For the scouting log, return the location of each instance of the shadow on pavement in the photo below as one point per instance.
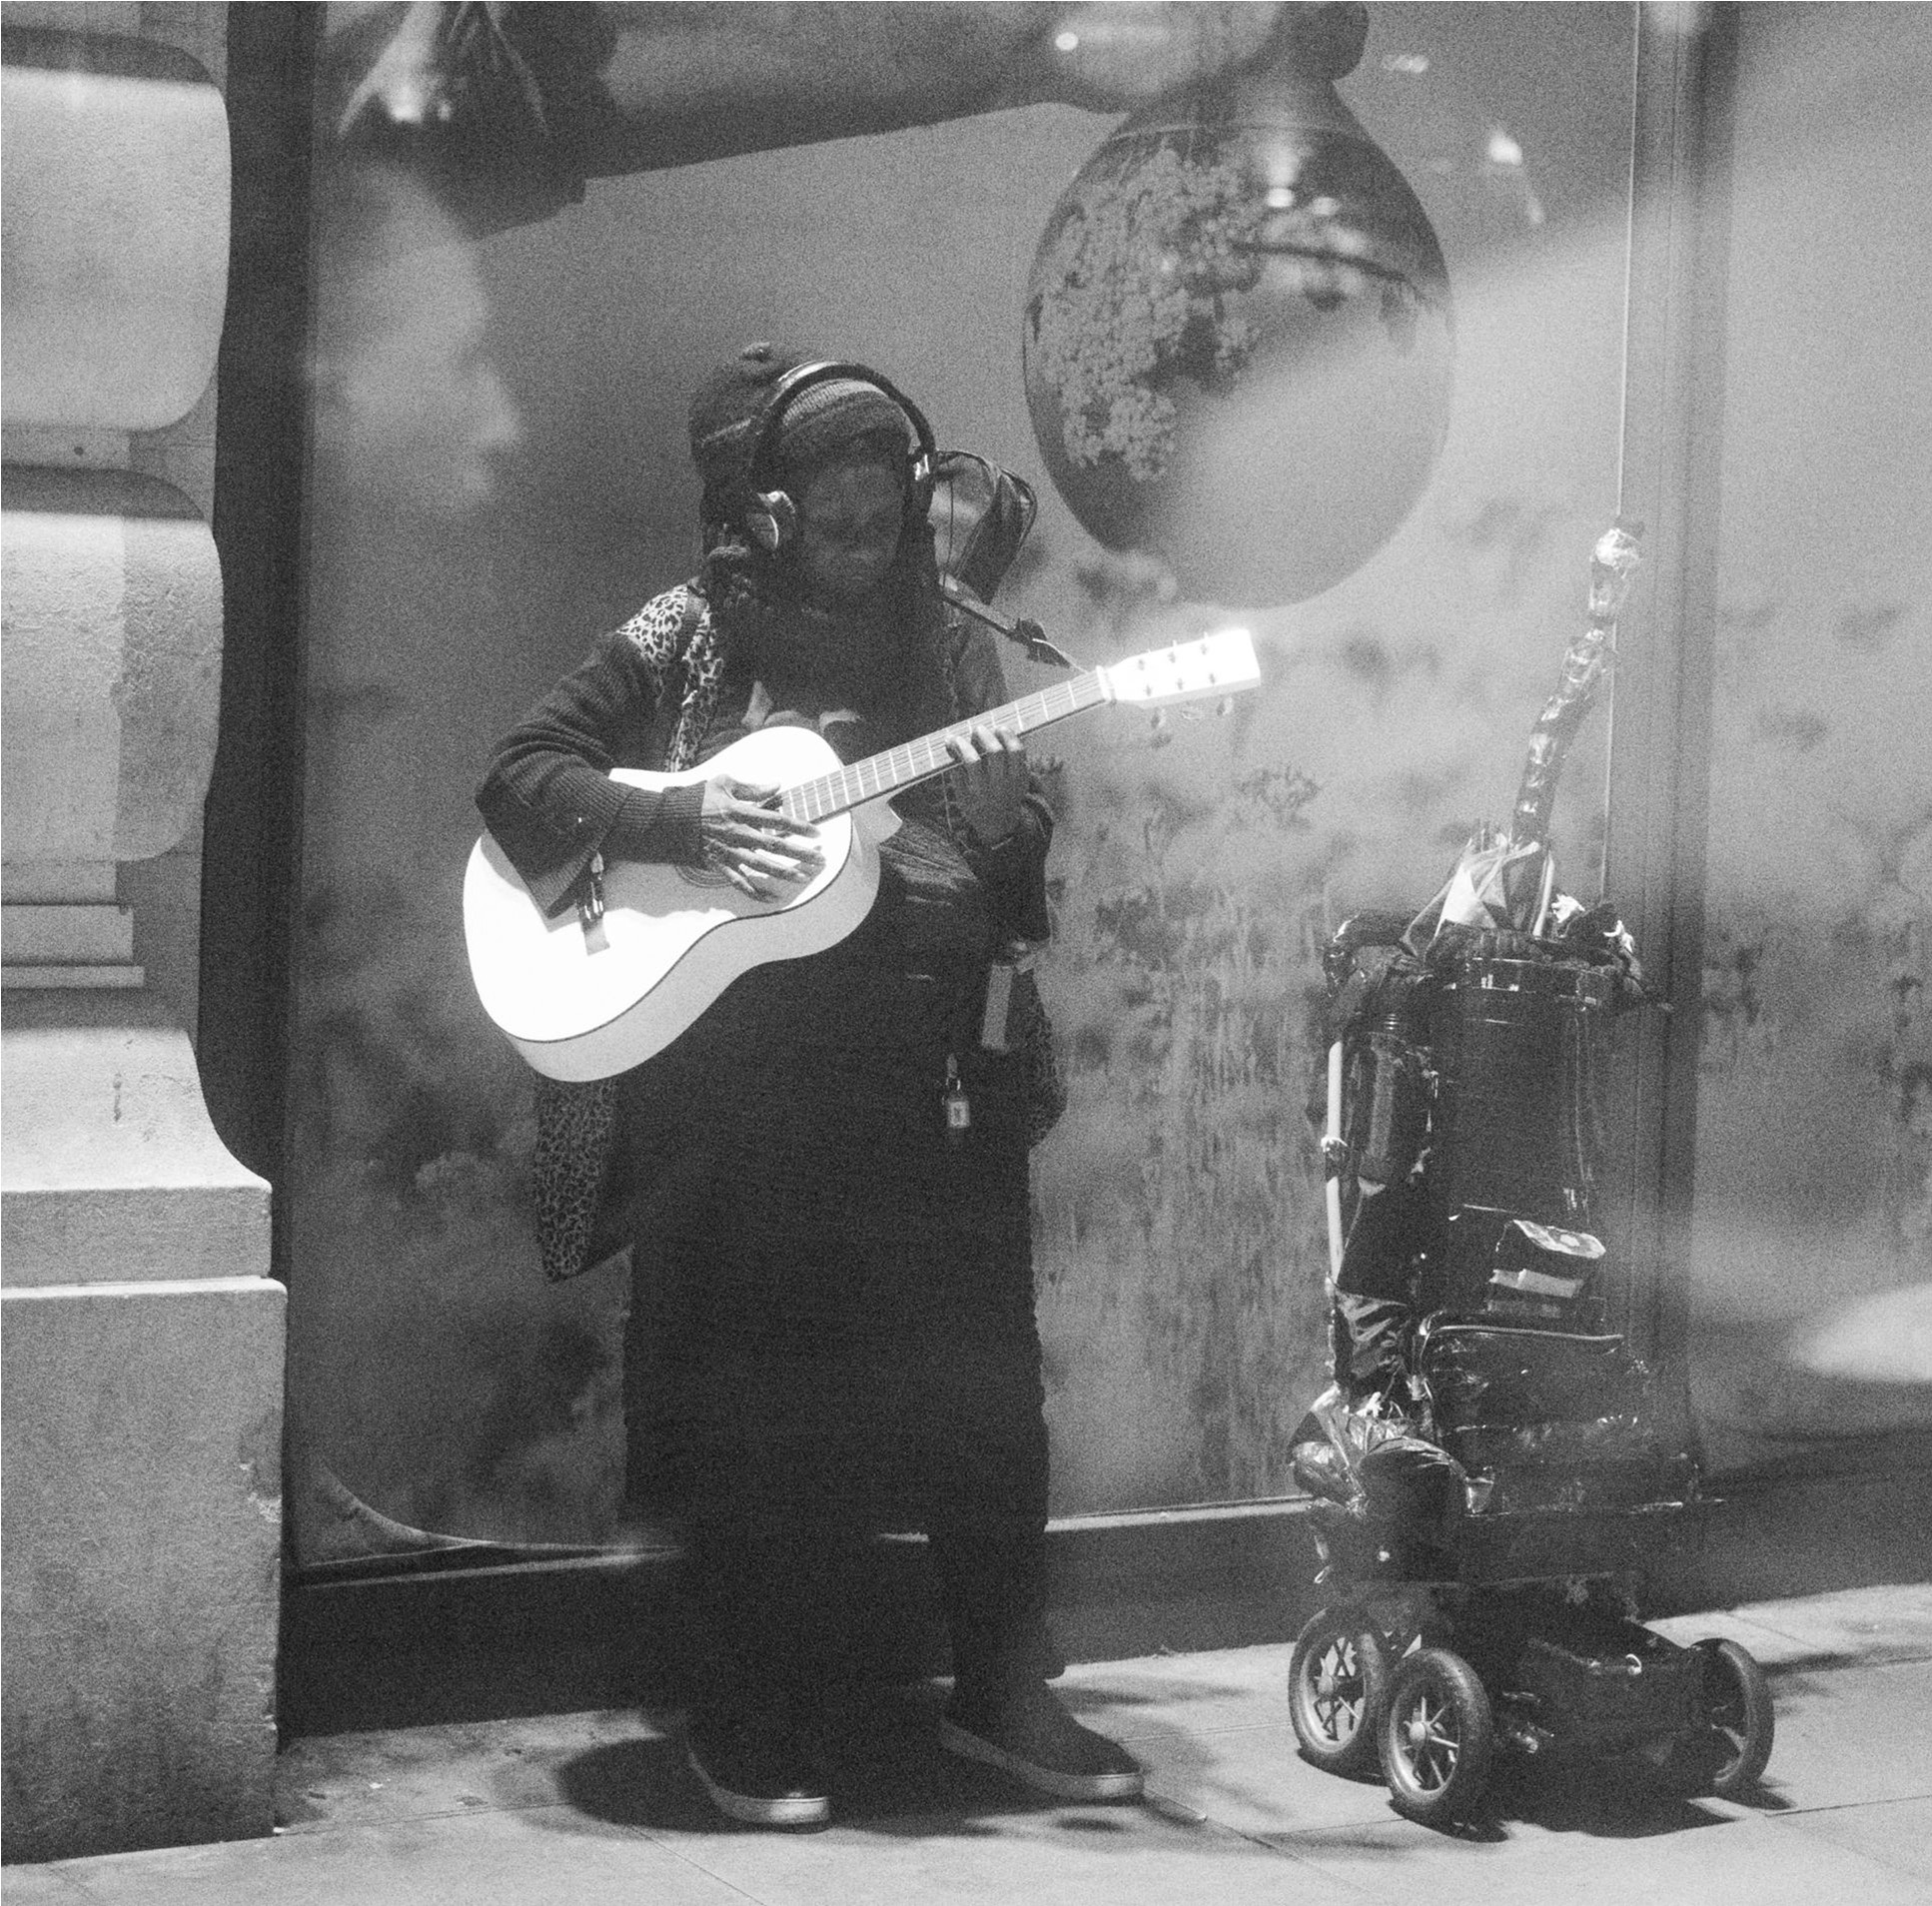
(890, 1774)
(1605, 1799)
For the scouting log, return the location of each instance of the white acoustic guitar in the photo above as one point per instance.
(596, 990)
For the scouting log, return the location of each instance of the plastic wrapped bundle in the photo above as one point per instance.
(1377, 1469)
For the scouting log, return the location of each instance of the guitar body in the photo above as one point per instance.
(581, 1003)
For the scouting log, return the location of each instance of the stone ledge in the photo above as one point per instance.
(48, 979)
(113, 1169)
(37, 934)
(142, 1522)
(105, 1235)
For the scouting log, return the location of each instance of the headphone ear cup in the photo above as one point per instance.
(773, 521)
(920, 491)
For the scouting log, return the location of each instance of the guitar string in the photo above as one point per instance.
(916, 760)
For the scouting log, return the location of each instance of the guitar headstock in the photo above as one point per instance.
(1214, 664)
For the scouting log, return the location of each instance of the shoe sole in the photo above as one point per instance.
(1063, 1786)
(794, 1809)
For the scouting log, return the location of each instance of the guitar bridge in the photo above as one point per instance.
(590, 908)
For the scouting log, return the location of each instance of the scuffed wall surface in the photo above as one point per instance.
(502, 475)
(1813, 1246)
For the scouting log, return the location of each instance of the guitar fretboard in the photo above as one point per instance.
(931, 755)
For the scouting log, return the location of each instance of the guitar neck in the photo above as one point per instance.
(915, 761)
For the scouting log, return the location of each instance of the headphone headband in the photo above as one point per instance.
(824, 371)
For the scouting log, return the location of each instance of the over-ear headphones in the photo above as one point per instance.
(772, 517)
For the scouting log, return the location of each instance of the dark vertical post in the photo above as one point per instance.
(251, 839)
(1659, 767)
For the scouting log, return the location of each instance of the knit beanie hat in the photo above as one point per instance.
(839, 419)
(843, 419)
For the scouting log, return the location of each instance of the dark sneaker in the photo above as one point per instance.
(1029, 1735)
(757, 1770)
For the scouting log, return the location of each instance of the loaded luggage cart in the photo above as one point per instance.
(1497, 1473)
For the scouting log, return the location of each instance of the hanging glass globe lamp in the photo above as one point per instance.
(1238, 340)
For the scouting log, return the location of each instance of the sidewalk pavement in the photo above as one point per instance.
(580, 1810)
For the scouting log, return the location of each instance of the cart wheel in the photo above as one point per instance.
(1436, 1736)
(1728, 1756)
(1338, 1687)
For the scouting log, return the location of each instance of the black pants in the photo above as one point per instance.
(833, 1333)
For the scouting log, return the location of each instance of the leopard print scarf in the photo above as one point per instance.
(676, 640)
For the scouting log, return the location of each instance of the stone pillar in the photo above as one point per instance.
(143, 1337)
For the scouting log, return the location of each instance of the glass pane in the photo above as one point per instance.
(502, 475)
(1812, 1247)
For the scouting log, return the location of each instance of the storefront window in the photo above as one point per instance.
(500, 475)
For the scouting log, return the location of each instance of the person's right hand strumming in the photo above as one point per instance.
(760, 850)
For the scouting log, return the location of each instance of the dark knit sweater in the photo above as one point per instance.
(548, 797)
(646, 697)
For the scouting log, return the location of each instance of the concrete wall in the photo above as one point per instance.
(143, 1341)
